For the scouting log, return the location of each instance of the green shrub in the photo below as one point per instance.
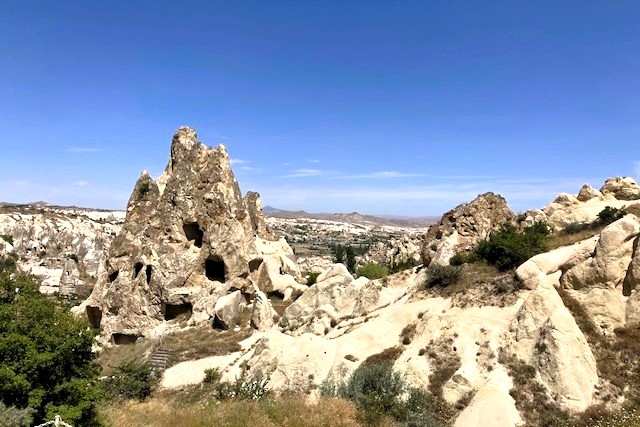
(442, 275)
(373, 271)
(131, 380)
(401, 266)
(243, 388)
(312, 278)
(46, 362)
(507, 248)
(7, 238)
(463, 258)
(609, 215)
(379, 392)
(11, 416)
(212, 376)
(143, 188)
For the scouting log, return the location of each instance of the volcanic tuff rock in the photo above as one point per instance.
(394, 252)
(46, 238)
(187, 240)
(584, 208)
(461, 228)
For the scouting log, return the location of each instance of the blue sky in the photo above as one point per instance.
(384, 107)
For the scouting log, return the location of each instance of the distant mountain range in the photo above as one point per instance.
(353, 218)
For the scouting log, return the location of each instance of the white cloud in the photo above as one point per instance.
(384, 174)
(81, 150)
(298, 173)
(250, 169)
(314, 161)
(239, 161)
(81, 183)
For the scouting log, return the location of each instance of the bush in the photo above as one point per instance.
(311, 279)
(373, 271)
(7, 238)
(507, 248)
(212, 376)
(14, 417)
(243, 389)
(442, 275)
(46, 362)
(609, 215)
(463, 258)
(131, 380)
(379, 392)
(143, 188)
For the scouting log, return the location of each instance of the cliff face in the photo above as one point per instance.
(188, 239)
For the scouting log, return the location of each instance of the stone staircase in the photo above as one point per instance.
(160, 359)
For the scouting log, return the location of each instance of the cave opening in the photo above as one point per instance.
(94, 314)
(124, 339)
(193, 232)
(148, 272)
(137, 268)
(113, 276)
(215, 269)
(254, 264)
(172, 311)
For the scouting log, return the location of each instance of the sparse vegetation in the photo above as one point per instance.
(311, 278)
(377, 392)
(143, 188)
(507, 248)
(7, 238)
(131, 380)
(373, 271)
(442, 275)
(609, 215)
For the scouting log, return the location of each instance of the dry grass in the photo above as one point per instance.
(565, 238)
(479, 284)
(189, 344)
(289, 412)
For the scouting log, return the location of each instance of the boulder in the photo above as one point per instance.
(587, 192)
(461, 228)
(262, 314)
(228, 309)
(621, 188)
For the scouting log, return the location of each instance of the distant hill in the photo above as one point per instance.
(353, 218)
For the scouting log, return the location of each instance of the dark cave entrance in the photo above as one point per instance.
(172, 311)
(254, 264)
(113, 276)
(193, 232)
(137, 268)
(215, 269)
(124, 339)
(94, 314)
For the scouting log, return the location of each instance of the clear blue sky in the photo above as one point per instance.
(389, 107)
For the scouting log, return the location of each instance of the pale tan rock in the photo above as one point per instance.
(622, 188)
(461, 228)
(228, 309)
(262, 314)
(187, 240)
(612, 256)
(565, 362)
(587, 192)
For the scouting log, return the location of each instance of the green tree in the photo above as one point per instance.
(351, 259)
(46, 362)
(338, 254)
(508, 248)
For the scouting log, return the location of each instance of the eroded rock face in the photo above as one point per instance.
(402, 251)
(621, 188)
(187, 240)
(461, 228)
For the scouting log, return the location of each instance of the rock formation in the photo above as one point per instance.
(46, 238)
(395, 252)
(461, 228)
(187, 241)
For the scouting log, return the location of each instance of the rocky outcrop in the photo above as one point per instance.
(621, 188)
(404, 251)
(461, 228)
(262, 314)
(188, 240)
(46, 238)
(568, 210)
